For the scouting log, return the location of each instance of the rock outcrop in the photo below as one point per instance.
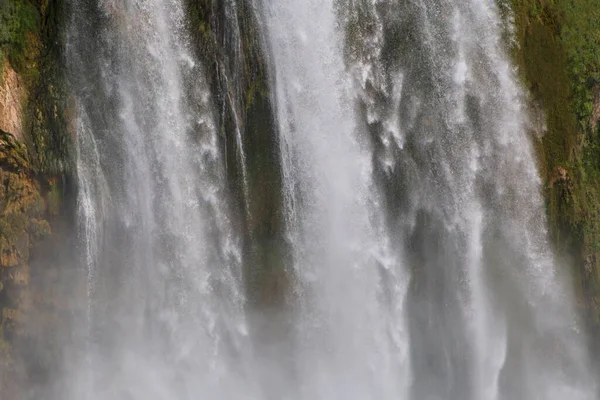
(22, 224)
(12, 99)
(34, 174)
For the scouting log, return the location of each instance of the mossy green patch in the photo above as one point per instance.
(557, 53)
(22, 208)
(18, 18)
(32, 43)
(31, 37)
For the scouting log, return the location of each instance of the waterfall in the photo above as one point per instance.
(164, 259)
(352, 331)
(486, 300)
(414, 206)
(419, 266)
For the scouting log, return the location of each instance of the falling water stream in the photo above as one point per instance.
(419, 262)
(159, 244)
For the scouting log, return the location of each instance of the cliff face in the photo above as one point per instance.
(34, 164)
(556, 50)
(12, 99)
(22, 225)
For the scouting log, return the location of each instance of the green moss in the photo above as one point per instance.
(53, 199)
(544, 64)
(31, 37)
(17, 19)
(557, 52)
(199, 14)
(46, 115)
(31, 41)
(569, 30)
(580, 35)
(22, 208)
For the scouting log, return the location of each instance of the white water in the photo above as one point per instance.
(464, 226)
(164, 285)
(352, 337)
(412, 209)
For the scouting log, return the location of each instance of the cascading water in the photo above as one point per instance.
(163, 258)
(352, 333)
(419, 263)
(485, 303)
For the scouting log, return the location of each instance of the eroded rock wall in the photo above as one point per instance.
(34, 177)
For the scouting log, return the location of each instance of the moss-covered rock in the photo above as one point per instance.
(556, 50)
(35, 98)
(228, 38)
(34, 169)
(22, 225)
(19, 21)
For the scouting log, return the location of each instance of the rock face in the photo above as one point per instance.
(12, 98)
(556, 52)
(22, 224)
(21, 206)
(28, 201)
(34, 146)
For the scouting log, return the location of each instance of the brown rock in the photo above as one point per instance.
(12, 98)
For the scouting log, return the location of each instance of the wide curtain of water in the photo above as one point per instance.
(419, 262)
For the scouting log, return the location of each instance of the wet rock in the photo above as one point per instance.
(12, 98)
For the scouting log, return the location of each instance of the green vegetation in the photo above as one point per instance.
(561, 38)
(31, 43)
(19, 19)
(580, 36)
(22, 225)
(557, 50)
(22, 207)
(30, 37)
